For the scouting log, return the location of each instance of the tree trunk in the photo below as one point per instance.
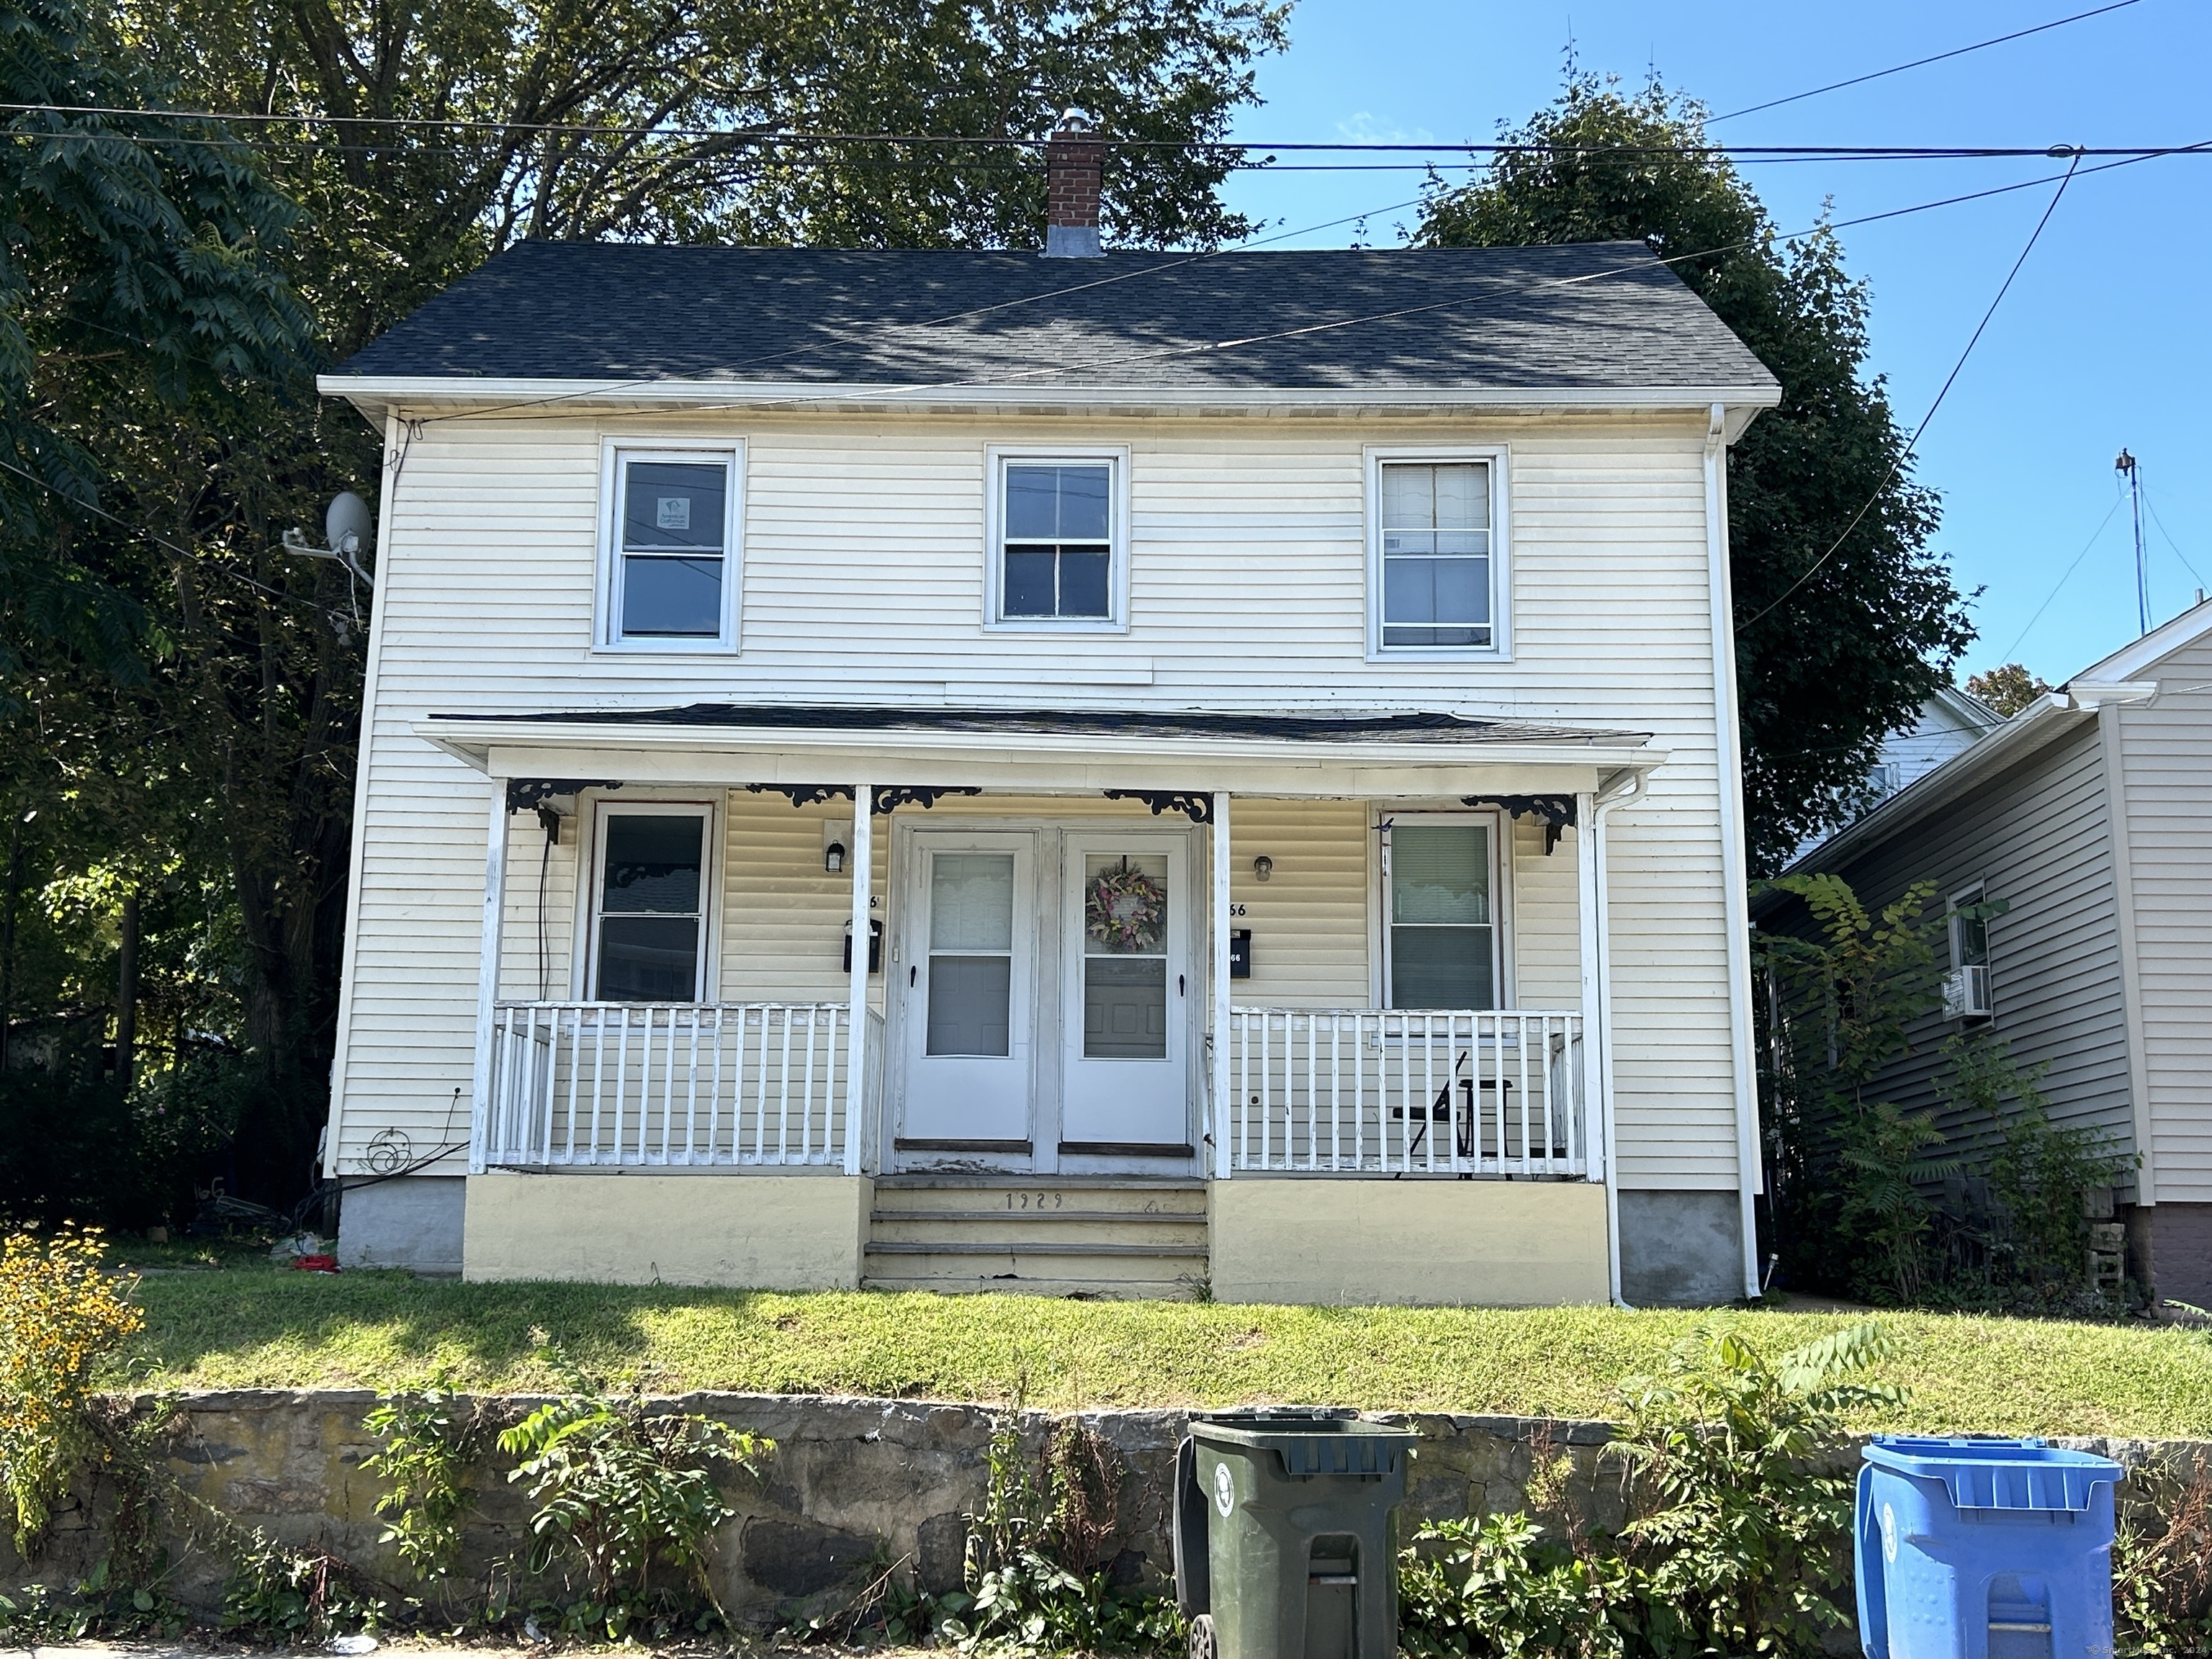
(126, 993)
(7, 936)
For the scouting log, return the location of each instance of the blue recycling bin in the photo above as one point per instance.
(1984, 1549)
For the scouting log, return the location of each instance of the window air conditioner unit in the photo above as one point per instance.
(1966, 993)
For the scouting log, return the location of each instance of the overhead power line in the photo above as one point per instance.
(1897, 461)
(767, 137)
(1922, 63)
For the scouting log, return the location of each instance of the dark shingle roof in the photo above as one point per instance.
(1392, 726)
(1592, 316)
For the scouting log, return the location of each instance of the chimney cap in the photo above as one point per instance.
(1073, 119)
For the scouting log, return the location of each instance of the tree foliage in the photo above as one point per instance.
(2008, 688)
(1831, 656)
(181, 697)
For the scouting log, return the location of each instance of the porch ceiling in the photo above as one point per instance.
(1311, 754)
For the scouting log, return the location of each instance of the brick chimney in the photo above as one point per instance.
(1074, 162)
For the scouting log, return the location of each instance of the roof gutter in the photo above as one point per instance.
(2043, 722)
(375, 395)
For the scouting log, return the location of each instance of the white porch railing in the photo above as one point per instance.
(698, 1085)
(1486, 1092)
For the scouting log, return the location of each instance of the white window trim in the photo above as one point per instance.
(1972, 893)
(1500, 648)
(1501, 906)
(995, 456)
(606, 638)
(583, 973)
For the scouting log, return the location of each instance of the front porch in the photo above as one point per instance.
(1109, 1039)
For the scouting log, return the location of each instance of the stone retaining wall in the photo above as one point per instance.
(853, 1485)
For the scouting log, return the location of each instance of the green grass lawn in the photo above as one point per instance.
(255, 1326)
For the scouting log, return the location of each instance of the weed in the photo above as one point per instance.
(427, 1449)
(623, 1491)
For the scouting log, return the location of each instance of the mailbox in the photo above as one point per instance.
(1240, 953)
(875, 946)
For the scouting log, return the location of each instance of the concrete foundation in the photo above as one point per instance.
(1493, 1243)
(410, 1221)
(2172, 1243)
(768, 1233)
(1681, 1249)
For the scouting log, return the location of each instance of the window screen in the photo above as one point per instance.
(1436, 554)
(971, 953)
(1059, 548)
(1442, 929)
(674, 529)
(651, 906)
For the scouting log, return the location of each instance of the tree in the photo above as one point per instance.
(2008, 687)
(1833, 652)
(227, 691)
(136, 273)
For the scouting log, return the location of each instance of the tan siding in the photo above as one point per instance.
(863, 582)
(2166, 751)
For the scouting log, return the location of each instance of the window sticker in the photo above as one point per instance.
(674, 513)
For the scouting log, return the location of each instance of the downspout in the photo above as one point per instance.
(1727, 743)
(1618, 790)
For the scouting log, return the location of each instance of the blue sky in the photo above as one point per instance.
(2102, 343)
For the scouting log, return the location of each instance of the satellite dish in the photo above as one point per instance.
(347, 528)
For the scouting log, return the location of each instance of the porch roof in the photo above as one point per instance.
(1310, 753)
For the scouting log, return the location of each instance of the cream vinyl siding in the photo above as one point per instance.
(2035, 838)
(863, 582)
(2166, 759)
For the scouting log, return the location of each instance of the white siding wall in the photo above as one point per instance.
(2167, 756)
(863, 582)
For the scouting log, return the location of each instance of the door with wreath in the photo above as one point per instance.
(1129, 993)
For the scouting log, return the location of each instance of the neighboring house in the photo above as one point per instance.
(1948, 724)
(1250, 734)
(2085, 823)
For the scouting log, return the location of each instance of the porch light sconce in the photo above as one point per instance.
(836, 836)
(1263, 868)
(833, 857)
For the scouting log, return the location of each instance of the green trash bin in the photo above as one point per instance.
(1284, 1548)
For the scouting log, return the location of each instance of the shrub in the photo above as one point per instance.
(62, 1318)
(1739, 1530)
(622, 1491)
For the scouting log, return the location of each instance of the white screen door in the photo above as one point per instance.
(970, 974)
(1126, 1017)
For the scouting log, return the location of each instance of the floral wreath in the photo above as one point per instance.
(1126, 910)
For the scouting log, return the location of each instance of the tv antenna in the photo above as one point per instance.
(2127, 465)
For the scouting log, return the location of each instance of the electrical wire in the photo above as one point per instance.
(160, 540)
(772, 138)
(2172, 543)
(1919, 62)
(513, 411)
(2048, 599)
(1897, 461)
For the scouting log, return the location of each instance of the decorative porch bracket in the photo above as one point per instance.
(887, 798)
(1557, 812)
(523, 793)
(1199, 808)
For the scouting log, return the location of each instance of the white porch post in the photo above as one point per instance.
(1220, 1090)
(1598, 931)
(861, 862)
(495, 910)
(1593, 1140)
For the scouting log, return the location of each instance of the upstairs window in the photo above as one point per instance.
(1059, 541)
(1435, 558)
(669, 576)
(1441, 920)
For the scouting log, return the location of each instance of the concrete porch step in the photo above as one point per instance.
(1049, 1236)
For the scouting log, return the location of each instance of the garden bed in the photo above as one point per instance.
(261, 1327)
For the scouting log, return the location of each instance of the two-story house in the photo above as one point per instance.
(1084, 774)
